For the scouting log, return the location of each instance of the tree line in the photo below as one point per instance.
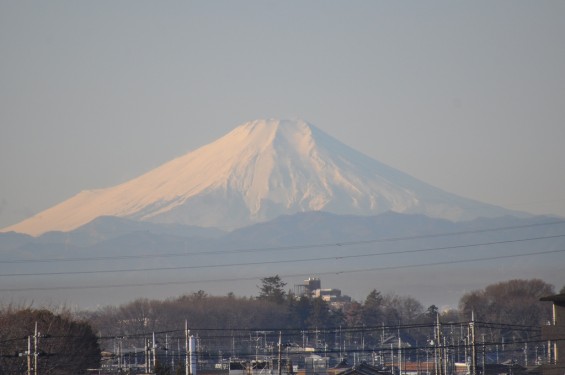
(507, 314)
(39, 341)
(227, 326)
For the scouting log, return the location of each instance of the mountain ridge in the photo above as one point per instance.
(435, 259)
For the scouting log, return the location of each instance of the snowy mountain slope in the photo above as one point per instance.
(258, 171)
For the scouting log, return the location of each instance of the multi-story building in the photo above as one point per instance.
(312, 288)
(554, 333)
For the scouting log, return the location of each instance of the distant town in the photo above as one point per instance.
(513, 327)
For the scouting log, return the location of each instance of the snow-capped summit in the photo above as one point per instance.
(258, 171)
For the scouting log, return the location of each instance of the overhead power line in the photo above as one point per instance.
(288, 275)
(214, 333)
(315, 259)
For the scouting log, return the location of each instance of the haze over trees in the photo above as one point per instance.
(507, 315)
(512, 302)
(513, 305)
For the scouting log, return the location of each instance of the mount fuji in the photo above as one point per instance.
(257, 172)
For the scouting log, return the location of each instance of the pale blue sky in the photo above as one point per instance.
(468, 96)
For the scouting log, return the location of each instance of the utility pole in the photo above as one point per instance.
(154, 349)
(193, 355)
(120, 359)
(147, 357)
(399, 353)
(186, 362)
(473, 345)
(35, 353)
(438, 355)
(280, 353)
(484, 353)
(445, 356)
(29, 355)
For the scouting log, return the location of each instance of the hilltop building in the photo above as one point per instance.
(312, 288)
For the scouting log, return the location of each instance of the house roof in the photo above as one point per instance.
(343, 364)
(364, 369)
(560, 298)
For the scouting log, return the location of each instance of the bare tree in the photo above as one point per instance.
(511, 302)
(62, 345)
